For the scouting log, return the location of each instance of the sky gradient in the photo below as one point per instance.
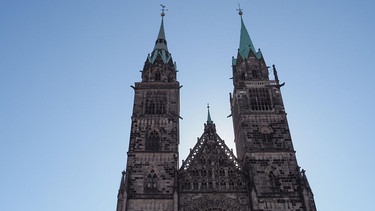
(65, 99)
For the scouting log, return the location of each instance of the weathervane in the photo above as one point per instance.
(239, 9)
(162, 10)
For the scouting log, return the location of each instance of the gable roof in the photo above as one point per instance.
(208, 143)
(211, 166)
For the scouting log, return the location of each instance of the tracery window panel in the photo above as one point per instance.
(153, 141)
(260, 99)
(151, 182)
(155, 107)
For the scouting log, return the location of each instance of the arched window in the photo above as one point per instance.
(231, 184)
(153, 141)
(254, 73)
(222, 185)
(195, 185)
(157, 76)
(151, 182)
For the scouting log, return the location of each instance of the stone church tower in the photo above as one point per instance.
(264, 176)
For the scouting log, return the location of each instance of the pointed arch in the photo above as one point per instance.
(151, 182)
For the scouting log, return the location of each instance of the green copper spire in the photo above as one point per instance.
(160, 48)
(209, 121)
(245, 41)
(161, 42)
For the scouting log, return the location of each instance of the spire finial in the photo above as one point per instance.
(162, 10)
(275, 74)
(209, 121)
(239, 9)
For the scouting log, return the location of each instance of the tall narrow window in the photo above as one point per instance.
(231, 185)
(254, 73)
(157, 76)
(222, 185)
(195, 185)
(187, 185)
(153, 141)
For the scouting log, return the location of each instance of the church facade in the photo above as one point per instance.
(264, 174)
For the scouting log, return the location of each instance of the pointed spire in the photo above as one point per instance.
(245, 41)
(209, 121)
(161, 42)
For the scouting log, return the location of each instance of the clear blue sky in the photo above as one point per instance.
(65, 99)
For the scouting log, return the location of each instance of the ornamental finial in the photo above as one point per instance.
(239, 10)
(162, 10)
(209, 120)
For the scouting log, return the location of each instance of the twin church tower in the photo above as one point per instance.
(263, 176)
